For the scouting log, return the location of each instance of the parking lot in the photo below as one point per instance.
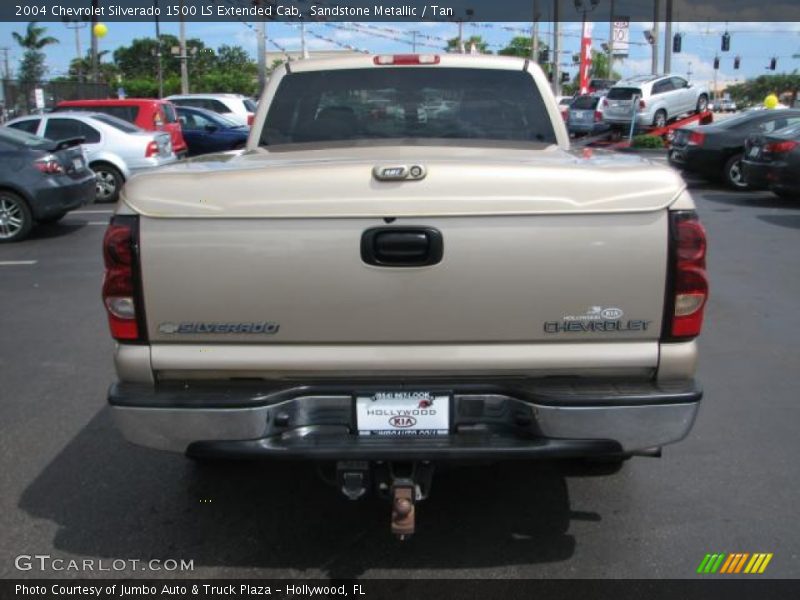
(74, 489)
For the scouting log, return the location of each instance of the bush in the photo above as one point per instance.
(647, 141)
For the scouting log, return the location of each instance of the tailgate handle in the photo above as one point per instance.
(402, 246)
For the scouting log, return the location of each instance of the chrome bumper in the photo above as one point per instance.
(621, 417)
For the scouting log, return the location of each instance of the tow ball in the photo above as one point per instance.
(404, 484)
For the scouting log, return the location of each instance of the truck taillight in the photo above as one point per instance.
(406, 59)
(121, 290)
(688, 290)
(151, 150)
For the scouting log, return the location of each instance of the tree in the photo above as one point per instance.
(753, 91)
(521, 46)
(480, 46)
(234, 58)
(106, 72)
(599, 67)
(32, 68)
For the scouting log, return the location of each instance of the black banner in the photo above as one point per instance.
(399, 10)
(401, 589)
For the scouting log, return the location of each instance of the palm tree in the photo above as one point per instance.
(32, 67)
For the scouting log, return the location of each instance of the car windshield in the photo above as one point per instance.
(199, 116)
(116, 123)
(585, 102)
(792, 131)
(623, 93)
(22, 138)
(351, 105)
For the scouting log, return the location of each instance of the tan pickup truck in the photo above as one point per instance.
(407, 265)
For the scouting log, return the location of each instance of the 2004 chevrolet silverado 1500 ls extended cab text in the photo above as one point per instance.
(406, 265)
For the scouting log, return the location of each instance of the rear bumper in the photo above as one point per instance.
(501, 419)
(63, 195)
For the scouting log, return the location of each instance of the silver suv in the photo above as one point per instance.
(658, 98)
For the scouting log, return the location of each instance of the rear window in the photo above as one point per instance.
(29, 126)
(249, 105)
(116, 123)
(623, 93)
(126, 113)
(400, 103)
(169, 113)
(585, 102)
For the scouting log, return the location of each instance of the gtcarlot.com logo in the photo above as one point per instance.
(46, 562)
(737, 562)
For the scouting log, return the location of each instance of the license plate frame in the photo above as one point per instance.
(403, 413)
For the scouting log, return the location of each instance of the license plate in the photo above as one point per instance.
(403, 413)
(77, 163)
(753, 152)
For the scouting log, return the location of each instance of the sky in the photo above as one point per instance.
(756, 43)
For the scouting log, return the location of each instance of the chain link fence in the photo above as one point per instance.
(17, 99)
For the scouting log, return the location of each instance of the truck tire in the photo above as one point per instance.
(109, 182)
(702, 104)
(16, 219)
(732, 173)
(660, 118)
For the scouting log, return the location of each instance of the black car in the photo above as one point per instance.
(40, 180)
(716, 150)
(773, 162)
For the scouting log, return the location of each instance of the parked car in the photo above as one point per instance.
(585, 115)
(772, 162)
(115, 149)
(726, 106)
(563, 103)
(206, 131)
(362, 290)
(40, 180)
(716, 150)
(234, 106)
(659, 99)
(147, 113)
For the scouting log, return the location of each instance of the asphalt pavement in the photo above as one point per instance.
(72, 488)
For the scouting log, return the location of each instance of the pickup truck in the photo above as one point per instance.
(385, 286)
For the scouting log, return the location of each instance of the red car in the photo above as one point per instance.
(148, 113)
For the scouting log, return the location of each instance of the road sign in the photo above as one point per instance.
(621, 36)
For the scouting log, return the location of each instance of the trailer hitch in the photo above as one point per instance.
(404, 484)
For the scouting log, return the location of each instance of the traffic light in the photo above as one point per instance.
(544, 55)
(676, 43)
(773, 63)
(716, 63)
(726, 41)
(565, 77)
(737, 62)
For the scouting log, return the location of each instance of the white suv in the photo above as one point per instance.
(234, 106)
(659, 98)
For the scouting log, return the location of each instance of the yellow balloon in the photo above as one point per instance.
(100, 30)
(771, 101)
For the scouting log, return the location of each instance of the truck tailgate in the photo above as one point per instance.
(550, 278)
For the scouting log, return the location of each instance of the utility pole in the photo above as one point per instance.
(183, 57)
(262, 55)
(159, 60)
(7, 68)
(303, 49)
(461, 37)
(413, 41)
(668, 39)
(535, 33)
(77, 26)
(556, 50)
(610, 60)
(656, 11)
(95, 11)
